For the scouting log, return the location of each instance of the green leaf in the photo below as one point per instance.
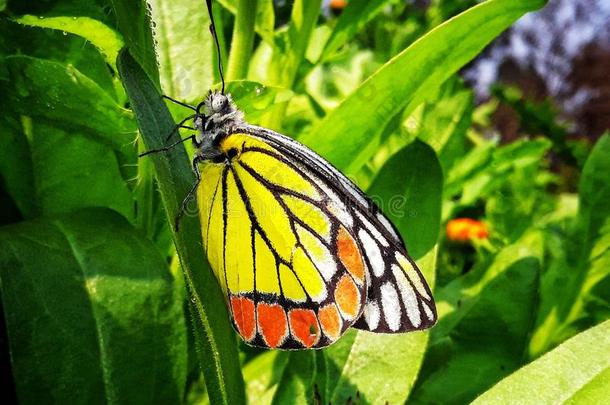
(409, 191)
(73, 170)
(576, 372)
(254, 98)
(133, 20)
(408, 79)
(297, 383)
(108, 41)
(263, 374)
(594, 192)
(351, 21)
(184, 48)
(376, 368)
(484, 326)
(92, 313)
(215, 335)
(53, 45)
(40, 88)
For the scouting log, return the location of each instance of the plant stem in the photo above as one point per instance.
(243, 37)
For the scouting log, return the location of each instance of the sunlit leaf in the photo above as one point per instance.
(91, 311)
(576, 372)
(108, 41)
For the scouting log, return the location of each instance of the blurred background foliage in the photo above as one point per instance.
(488, 151)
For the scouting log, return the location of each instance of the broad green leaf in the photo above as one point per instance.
(108, 41)
(409, 190)
(184, 48)
(483, 328)
(73, 170)
(134, 23)
(93, 315)
(53, 45)
(53, 91)
(376, 368)
(407, 79)
(352, 19)
(216, 338)
(576, 372)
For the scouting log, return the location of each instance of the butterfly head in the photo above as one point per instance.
(221, 113)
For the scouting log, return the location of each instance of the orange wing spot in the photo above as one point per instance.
(349, 254)
(272, 323)
(330, 320)
(243, 314)
(304, 326)
(347, 297)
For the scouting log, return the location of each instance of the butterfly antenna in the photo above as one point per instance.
(213, 31)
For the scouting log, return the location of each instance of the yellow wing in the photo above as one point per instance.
(281, 246)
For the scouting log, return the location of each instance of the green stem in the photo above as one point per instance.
(213, 331)
(243, 38)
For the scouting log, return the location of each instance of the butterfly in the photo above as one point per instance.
(300, 252)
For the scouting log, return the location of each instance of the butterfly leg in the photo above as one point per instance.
(180, 125)
(166, 148)
(191, 193)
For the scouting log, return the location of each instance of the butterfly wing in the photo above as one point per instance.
(281, 248)
(398, 297)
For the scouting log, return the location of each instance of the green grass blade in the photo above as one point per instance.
(407, 79)
(217, 341)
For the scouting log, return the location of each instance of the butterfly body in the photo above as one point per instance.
(300, 252)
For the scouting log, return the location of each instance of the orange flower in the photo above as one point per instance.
(338, 4)
(466, 229)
